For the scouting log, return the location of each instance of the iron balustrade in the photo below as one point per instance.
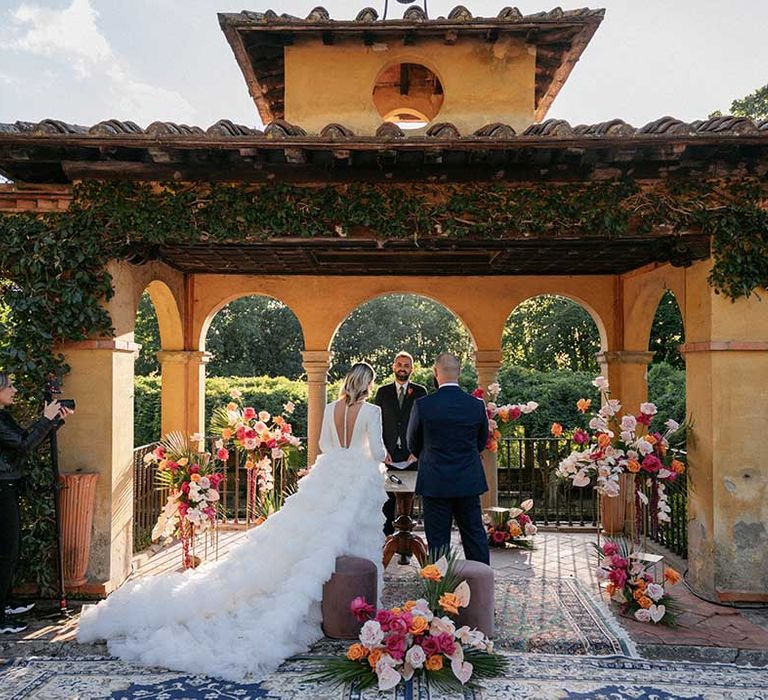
(148, 499)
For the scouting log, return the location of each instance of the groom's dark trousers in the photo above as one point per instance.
(447, 432)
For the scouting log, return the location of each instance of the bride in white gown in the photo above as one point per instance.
(241, 616)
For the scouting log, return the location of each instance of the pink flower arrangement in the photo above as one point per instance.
(499, 417)
(417, 637)
(617, 446)
(511, 527)
(630, 583)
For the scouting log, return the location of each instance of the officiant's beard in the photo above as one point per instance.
(402, 375)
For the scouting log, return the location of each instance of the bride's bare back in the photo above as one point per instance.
(344, 419)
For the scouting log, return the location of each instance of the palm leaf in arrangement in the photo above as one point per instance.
(219, 420)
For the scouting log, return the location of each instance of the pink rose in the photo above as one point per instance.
(183, 508)
(499, 536)
(361, 608)
(407, 617)
(396, 646)
(185, 487)
(447, 644)
(515, 413)
(610, 548)
(523, 519)
(581, 437)
(172, 466)
(430, 645)
(618, 577)
(249, 413)
(644, 418)
(398, 626)
(384, 618)
(249, 434)
(194, 469)
(478, 393)
(223, 454)
(651, 464)
(240, 433)
(619, 562)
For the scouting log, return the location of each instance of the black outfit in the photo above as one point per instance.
(394, 420)
(447, 432)
(15, 445)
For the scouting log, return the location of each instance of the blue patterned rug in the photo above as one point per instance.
(539, 676)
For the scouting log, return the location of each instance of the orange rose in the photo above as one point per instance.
(638, 594)
(396, 611)
(633, 466)
(434, 662)
(356, 652)
(419, 625)
(231, 406)
(671, 576)
(279, 420)
(514, 528)
(640, 583)
(645, 602)
(677, 466)
(195, 477)
(259, 521)
(651, 439)
(431, 573)
(450, 603)
(226, 433)
(603, 440)
(583, 404)
(610, 589)
(373, 657)
(556, 430)
(409, 605)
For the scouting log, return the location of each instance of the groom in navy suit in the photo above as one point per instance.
(447, 432)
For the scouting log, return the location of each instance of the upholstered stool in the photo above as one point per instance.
(479, 612)
(353, 577)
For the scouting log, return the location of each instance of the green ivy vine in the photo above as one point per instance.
(53, 278)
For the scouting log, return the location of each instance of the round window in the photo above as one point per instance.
(408, 94)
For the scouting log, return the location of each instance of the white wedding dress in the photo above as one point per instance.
(241, 616)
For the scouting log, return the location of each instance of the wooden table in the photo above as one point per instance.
(403, 542)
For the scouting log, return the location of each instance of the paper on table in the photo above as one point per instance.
(399, 465)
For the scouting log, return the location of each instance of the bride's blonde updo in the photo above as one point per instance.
(357, 383)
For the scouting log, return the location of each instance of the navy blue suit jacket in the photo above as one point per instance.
(447, 432)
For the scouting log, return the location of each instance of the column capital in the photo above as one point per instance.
(315, 357)
(183, 357)
(488, 357)
(625, 357)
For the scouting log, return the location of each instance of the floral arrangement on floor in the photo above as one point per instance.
(617, 446)
(631, 583)
(415, 638)
(266, 440)
(192, 479)
(510, 527)
(500, 418)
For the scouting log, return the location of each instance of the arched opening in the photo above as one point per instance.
(549, 345)
(408, 94)
(666, 389)
(377, 329)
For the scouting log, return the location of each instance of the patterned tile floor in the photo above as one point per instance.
(706, 632)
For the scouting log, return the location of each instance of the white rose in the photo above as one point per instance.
(601, 383)
(530, 529)
(415, 656)
(235, 393)
(371, 635)
(654, 591)
(649, 409)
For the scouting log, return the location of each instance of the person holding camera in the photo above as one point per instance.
(16, 444)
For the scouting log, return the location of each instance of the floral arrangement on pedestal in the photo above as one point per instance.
(618, 446)
(417, 638)
(192, 479)
(267, 443)
(630, 582)
(510, 527)
(500, 418)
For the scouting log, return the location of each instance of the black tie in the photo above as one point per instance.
(400, 395)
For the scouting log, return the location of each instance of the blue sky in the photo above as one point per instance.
(87, 60)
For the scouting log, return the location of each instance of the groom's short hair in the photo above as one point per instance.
(403, 353)
(448, 363)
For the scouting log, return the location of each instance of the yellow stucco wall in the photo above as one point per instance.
(483, 82)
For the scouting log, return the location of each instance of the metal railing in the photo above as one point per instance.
(674, 534)
(148, 499)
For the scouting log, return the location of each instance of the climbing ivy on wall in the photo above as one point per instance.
(53, 278)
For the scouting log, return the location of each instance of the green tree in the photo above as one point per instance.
(375, 331)
(667, 332)
(147, 334)
(255, 336)
(754, 105)
(551, 333)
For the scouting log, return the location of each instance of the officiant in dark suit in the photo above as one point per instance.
(396, 400)
(447, 432)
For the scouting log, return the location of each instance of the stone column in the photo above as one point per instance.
(316, 364)
(627, 373)
(726, 358)
(99, 438)
(182, 394)
(487, 364)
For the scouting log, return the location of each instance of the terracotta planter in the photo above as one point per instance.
(613, 510)
(78, 493)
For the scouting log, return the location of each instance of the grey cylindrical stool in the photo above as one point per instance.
(353, 577)
(479, 612)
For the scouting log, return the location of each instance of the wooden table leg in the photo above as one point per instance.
(404, 542)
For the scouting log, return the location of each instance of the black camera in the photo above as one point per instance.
(67, 403)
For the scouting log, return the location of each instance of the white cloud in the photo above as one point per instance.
(72, 32)
(72, 38)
